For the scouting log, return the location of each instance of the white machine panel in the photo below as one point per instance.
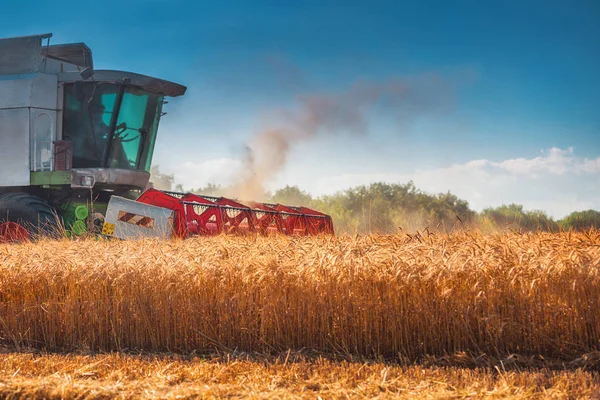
(44, 91)
(15, 91)
(34, 90)
(14, 147)
(129, 219)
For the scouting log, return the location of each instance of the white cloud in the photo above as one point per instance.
(591, 166)
(198, 174)
(556, 162)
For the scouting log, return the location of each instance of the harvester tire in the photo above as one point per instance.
(31, 212)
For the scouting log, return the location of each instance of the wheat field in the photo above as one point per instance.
(387, 297)
(460, 315)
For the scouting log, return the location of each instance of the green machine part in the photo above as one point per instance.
(79, 228)
(81, 212)
(76, 216)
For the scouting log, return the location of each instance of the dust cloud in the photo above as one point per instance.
(343, 112)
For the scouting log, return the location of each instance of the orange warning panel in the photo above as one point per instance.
(135, 219)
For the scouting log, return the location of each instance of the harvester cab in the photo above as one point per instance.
(77, 143)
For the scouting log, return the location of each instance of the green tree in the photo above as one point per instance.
(210, 189)
(292, 196)
(515, 217)
(387, 208)
(580, 220)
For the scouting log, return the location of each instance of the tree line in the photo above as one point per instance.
(393, 207)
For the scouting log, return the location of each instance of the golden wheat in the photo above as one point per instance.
(374, 296)
(124, 376)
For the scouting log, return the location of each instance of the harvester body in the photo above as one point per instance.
(72, 137)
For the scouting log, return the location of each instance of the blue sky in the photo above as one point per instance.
(514, 115)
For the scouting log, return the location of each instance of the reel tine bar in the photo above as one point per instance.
(210, 215)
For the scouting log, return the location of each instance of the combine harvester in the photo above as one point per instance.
(76, 147)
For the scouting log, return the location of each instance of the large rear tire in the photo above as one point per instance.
(29, 212)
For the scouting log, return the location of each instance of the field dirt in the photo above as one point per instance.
(29, 375)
